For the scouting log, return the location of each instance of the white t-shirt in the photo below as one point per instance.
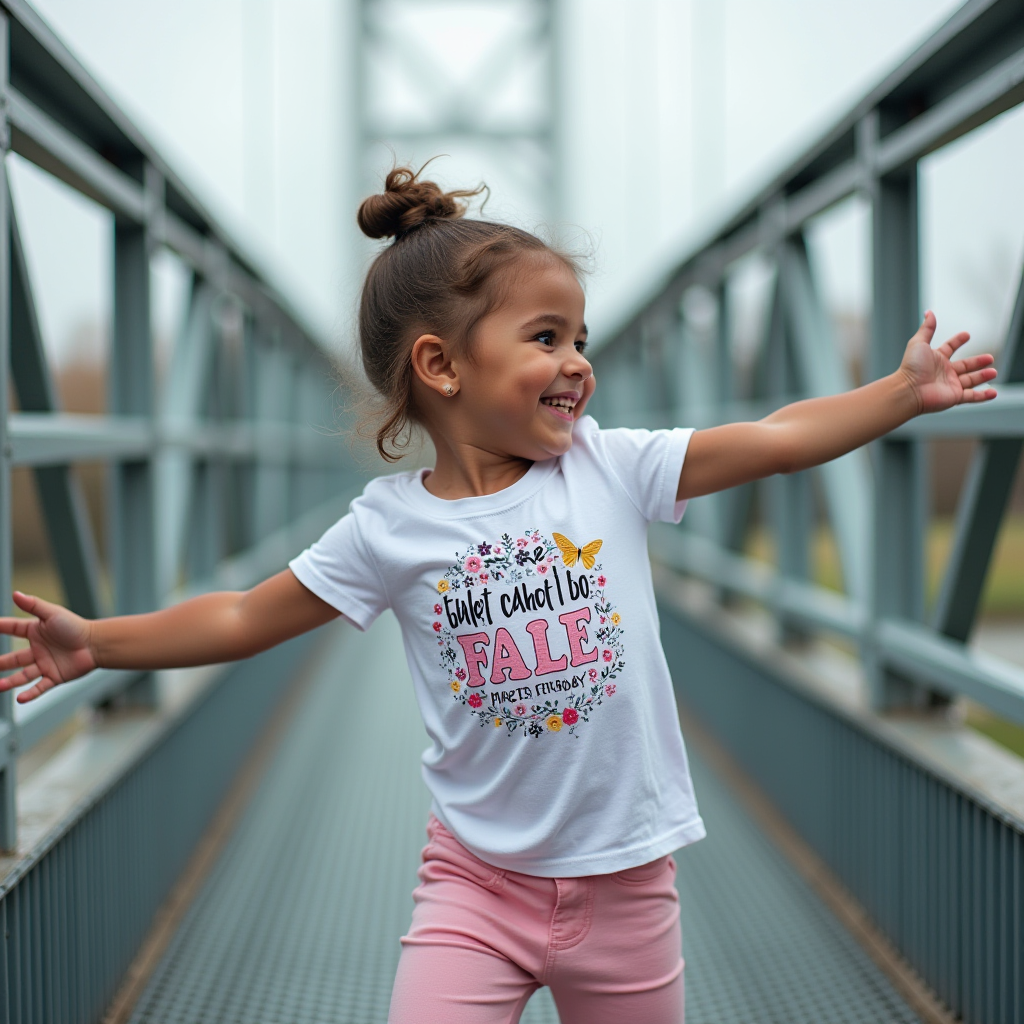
(531, 631)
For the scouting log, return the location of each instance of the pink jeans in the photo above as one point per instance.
(483, 940)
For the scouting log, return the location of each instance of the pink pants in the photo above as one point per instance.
(483, 940)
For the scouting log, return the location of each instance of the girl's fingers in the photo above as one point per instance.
(14, 627)
(32, 692)
(34, 605)
(970, 395)
(15, 658)
(970, 380)
(973, 363)
(957, 341)
(26, 675)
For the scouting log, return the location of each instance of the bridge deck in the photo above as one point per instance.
(300, 918)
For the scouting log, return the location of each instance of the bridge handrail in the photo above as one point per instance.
(968, 72)
(216, 480)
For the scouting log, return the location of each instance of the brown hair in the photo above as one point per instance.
(438, 276)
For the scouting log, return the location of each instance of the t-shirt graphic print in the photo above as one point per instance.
(531, 631)
(528, 639)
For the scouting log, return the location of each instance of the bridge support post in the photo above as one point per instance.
(133, 527)
(8, 804)
(791, 499)
(900, 518)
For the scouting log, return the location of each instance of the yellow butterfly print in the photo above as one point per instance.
(570, 552)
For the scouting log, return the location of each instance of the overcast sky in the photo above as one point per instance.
(250, 100)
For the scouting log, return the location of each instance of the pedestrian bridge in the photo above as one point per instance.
(239, 843)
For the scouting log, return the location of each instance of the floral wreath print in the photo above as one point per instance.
(513, 560)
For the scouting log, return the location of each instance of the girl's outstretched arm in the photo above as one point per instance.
(205, 630)
(808, 433)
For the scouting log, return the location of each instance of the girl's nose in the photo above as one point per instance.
(578, 366)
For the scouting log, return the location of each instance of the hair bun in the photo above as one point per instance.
(406, 203)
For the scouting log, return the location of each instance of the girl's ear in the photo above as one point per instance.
(433, 366)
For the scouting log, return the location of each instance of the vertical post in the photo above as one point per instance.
(555, 140)
(722, 395)
(900, 518)
(8, 780)
(205, 512)
(738, 507)
(133, 535)
(791, 498)
(294, 416)
(273, 412)
(248, 413)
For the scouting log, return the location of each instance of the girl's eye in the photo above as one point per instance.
(581, 346)
(546, 337)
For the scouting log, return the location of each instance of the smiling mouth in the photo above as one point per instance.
(561, 404)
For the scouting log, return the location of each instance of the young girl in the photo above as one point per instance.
(518, 570)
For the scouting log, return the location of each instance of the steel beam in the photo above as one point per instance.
(935, 661)
(971, 70)
(48, 439)
(451, 113)
(273, 404)
(982, 505)
(60, 493)
(901, 496)
(980, 100)
(40, 139)
(8, 783)
(791, 498)
(132, 541)
(55, 115)
(1000, 419)
(847, 481)
(187, 385)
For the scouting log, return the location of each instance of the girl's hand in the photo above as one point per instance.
(938, 381)
(58, 650)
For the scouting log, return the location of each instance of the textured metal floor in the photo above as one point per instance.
(299, 921)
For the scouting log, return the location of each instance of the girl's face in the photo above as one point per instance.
(525, 381)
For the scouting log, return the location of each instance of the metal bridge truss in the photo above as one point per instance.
(969, 72)
(215, 481)
(411, 93)
(937, 865)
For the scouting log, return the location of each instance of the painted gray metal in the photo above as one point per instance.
(8, 746)
(971, 70)
(187, 463)
(74, 915)
(986, 496)
(215, 487)
(299, 921)
(61, 497)
(453, 112)
(938, 868)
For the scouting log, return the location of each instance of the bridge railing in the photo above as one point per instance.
(876, 503)
(216, 478)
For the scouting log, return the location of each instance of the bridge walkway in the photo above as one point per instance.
(298, 922)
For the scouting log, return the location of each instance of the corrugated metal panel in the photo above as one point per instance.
(939, 871)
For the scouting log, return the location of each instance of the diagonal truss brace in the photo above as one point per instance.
(847, 481)
(982, 505)
(184, 395)
(60, 494)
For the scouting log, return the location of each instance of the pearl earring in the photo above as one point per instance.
(449, 390)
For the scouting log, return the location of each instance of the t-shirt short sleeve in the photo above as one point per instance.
(339, 569)
(647, 464)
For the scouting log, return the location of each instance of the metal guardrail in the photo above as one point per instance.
(216, 480)
(933, 862)
(968, 72)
